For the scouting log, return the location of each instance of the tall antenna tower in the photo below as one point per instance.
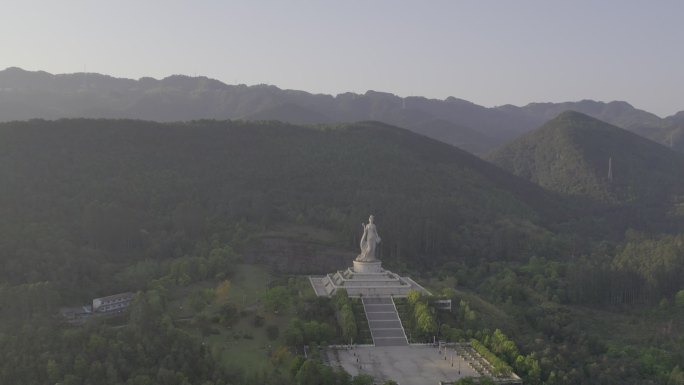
(610, 168)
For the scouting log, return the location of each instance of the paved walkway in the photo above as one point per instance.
(407, 365)
(384, 323)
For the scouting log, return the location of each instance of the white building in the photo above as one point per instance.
(112, 304)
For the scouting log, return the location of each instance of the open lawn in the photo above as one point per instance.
(248, 284)
(244, 343)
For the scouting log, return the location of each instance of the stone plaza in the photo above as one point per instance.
(407, 365)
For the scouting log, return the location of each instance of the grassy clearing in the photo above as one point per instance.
(248, 284)
(180, 303)
(244, 344)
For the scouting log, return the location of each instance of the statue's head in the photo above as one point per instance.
(370, 219)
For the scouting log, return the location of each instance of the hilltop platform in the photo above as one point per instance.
(366, 279)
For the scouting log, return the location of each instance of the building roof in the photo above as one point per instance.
(126, 295)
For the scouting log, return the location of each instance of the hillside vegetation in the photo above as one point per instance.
(94, 188)
(572, 154)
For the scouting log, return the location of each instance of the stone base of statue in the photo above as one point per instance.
(365, 279)
(363, 267)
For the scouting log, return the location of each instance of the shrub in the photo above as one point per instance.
(272, 332)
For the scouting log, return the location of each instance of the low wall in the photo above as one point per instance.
(376, 291)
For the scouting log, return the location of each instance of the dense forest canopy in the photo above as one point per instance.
(141, 189)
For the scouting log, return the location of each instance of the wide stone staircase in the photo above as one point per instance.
(384, 322)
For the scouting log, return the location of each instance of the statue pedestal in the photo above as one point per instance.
(365, 279)
(374, 267)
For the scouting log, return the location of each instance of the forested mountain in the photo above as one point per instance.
(27, 95)
(146, 189)
(578, 155)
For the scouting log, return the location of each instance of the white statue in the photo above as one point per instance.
(369, 241)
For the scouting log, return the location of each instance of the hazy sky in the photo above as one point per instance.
(488, 52)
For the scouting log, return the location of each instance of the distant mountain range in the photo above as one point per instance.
(477, 129)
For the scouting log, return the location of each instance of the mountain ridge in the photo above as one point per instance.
(26, 95)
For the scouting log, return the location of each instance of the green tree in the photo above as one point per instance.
(424, 319)
(222, 292)
(54, 372)
(413, 297)
(272, 332)
(312, 372)
(294, 334)
(679, 298)
(363, 379)
(277, 299)
(676, 376)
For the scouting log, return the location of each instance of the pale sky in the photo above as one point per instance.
(488, 52)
